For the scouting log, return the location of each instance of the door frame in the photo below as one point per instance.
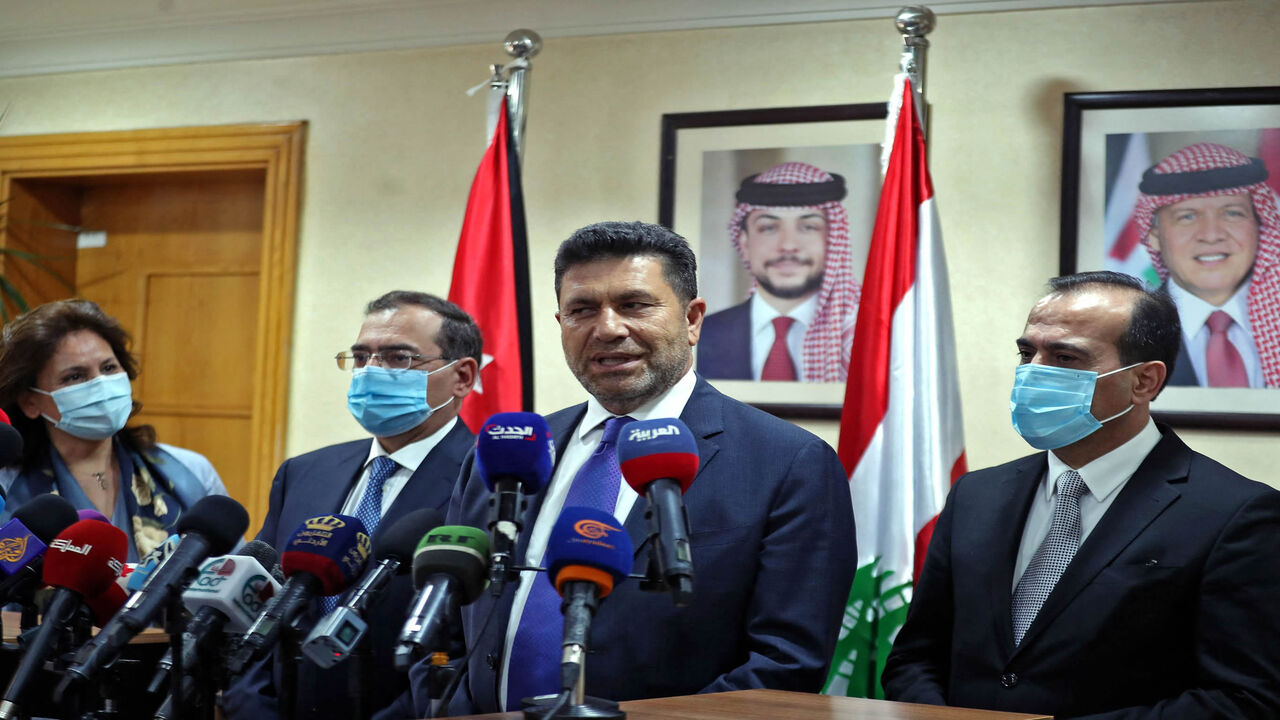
(274, 148)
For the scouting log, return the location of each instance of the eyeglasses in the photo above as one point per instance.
(392, 359)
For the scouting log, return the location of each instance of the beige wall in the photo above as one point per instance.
(394, 141)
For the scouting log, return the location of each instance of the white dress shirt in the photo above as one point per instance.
(1193, 313)
(1104, 477)
(408, 458)
(763, 333)
(581, 443)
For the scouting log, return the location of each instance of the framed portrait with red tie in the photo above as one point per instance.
(778, 204)
(1181, 188)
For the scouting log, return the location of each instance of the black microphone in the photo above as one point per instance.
(449, 569)
(211, 527)
(82, 562)
(322, 557)
(338, 633)
(11, 443)
(659, 459)
(23, 541)
(514, 455)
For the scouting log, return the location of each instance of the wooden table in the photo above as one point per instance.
(148, 636)
(781, 705)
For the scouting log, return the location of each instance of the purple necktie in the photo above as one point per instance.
(1222, 360)
(535, 652)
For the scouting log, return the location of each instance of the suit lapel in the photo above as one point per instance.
(1013, 501)
(432, 483)
(329, 497)
(702, 414)
(1140, 502)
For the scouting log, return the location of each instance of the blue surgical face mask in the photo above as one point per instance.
(390, 402)
(1050, 405)
(93, 410)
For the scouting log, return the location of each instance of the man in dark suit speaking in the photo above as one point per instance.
(412, 364)
(772, 532)
(1120, 574)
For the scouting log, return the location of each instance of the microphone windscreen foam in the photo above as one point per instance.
(266, 556)
(456, 550)
(105, 605)
(657, 448)
(333, 548)
(588, 544)
(221, 520)
(46, 516)
(515, 446)
(91, 514)
(11, 444)
(86, 557)
(400, 539)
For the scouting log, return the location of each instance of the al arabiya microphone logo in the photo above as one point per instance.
(642, 434)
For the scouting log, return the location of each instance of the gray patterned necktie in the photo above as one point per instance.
(1053, 556)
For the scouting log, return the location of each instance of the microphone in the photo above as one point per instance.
(588, 553)
(322, 558)
(11, 444)
(514, 455)
(24, 539)
(106, 604)
(211, 527)
(151, 561)
(338, 633)
(449, 569)
(83, 561)
(91, 514)
(659, 459)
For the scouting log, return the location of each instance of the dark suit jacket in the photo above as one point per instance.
(724, 350)
(774, 553)
(1170, 609)
(318, 483)
(1183, 373)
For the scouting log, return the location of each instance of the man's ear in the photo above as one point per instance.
(467, 371)
(1150, 379)
(694, 314)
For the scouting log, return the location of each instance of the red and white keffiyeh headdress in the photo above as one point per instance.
(1207, 170)
(829, 338)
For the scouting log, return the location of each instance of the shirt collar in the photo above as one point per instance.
(667, 405)
(1106, 474)
(762, 313)
(411, 456)
(1194, 311)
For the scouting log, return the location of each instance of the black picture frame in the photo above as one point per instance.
(865, 125)
(1098, 128)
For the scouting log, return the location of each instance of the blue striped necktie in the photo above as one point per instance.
(535, 652)
(369, 511)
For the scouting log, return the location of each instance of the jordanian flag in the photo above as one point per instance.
(901, 439)
(491, 281)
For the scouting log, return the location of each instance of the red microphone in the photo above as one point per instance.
(10, 441)
(82, 562)
(105, 605)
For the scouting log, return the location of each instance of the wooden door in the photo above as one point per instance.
(197, 264)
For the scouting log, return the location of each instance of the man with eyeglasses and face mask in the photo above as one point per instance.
(413, 362)
(1118, 575)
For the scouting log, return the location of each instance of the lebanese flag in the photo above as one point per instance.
(491, 281)
(901, 437)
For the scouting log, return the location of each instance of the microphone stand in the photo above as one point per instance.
(579, 607)
(290, 656)
(358, 688)
(175, 626)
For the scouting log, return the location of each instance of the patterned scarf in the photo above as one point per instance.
(1201, 165)
(829, 339)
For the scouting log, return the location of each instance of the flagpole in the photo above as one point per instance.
(522, 45)
(914, 22)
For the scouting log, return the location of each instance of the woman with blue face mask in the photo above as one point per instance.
(65, 374)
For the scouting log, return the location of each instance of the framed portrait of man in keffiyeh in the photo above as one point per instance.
(1182, 189)
(779, 206)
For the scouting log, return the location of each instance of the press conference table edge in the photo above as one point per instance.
(149, 636)
(784, 705)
